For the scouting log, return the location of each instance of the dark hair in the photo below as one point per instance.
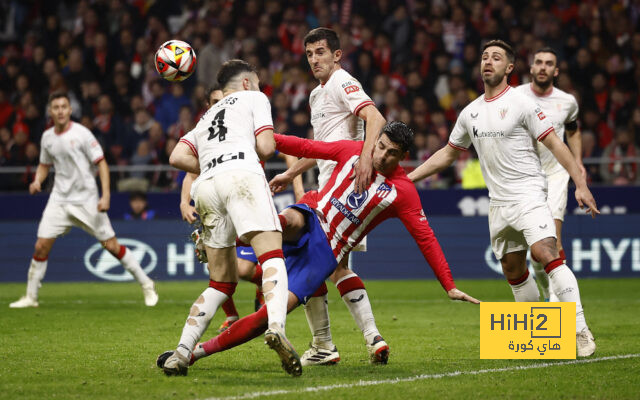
(58, 95)
(399, 133)
(547, 50)
(318, 34)
(503, 45)
(211, 89)
(137, 194)
(232, 68)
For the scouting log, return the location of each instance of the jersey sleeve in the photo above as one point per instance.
(350, 92)
(190, 140)
(410, 212)
(262, 119)
(459, 138)
(92, 148)
(336, 151)
(572, 115)
(45, 157)
(534, 119)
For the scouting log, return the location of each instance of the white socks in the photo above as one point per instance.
(200, 316)
(130, 263)
(317, 312)
(355, 297)
(37, 269)
(525, 290)
(565, 286)
(275, 288)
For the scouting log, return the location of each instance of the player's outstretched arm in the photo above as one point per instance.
(363, 170)
(182, 157)
(563, 155)
(298, 186)
(188, 211)
(436, 163)
(41, 174)
(105, 183)
(281, 181)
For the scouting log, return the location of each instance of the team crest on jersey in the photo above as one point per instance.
(540, 114)
(383, 190)
(503, 112)
(356, 200)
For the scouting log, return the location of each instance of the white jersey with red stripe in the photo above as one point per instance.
(561, 108)
(73, 153)
(225, 137)
(334, 113)
(504, 130)
(347, 217)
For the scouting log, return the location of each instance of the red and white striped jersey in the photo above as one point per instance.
(348, 217)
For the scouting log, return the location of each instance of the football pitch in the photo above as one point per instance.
(99, 341)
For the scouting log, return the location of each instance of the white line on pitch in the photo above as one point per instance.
(421, 377)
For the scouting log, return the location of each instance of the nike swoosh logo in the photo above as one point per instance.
(542, 226)
(358, 299)
(246, 253)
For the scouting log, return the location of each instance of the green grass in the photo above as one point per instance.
(98, 340)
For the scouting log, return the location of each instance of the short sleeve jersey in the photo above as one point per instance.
(504, 130)
(334, 114)
(561, 108)
(72, 153)
(225, 137)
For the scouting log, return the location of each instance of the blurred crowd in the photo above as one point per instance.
(418, 60)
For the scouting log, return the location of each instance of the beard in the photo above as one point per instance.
(493, 80)
(544, 84)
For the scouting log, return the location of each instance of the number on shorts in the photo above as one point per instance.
(217, 128)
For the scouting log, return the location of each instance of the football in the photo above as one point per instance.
(175, 60)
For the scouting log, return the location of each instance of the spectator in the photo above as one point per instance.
(139, 207)
(617, 170)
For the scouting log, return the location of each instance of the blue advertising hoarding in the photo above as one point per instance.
(608, 246)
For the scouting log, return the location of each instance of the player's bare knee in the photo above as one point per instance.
(192, 322)
(545, 250)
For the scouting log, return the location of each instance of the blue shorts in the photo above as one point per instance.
(246, 253)
(310, 260)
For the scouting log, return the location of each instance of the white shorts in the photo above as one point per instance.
(58, 218)
(517, 226)
(557, 189)
(233, 204)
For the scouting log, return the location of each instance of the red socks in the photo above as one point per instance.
(243, 330)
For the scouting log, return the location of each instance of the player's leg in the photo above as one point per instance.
(563, 281)
(510, 247)
(37, 270)
(355, 297)
(55, 221)
(229, 306)
(131, 264)
(561, 253)
(515, 270)
(223, 276)
(250, 271)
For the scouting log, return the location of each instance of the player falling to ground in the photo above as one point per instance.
(562, 109)
(503, 126)
(72, 150)
(248, 267)
(339, 107)
(325, 226)
(233, 199)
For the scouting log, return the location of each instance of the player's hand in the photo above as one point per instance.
(455, 294)
(34, 187)
(188, 212)
(104, 203)
(585, 198)
(362, 173)
(280, 182)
